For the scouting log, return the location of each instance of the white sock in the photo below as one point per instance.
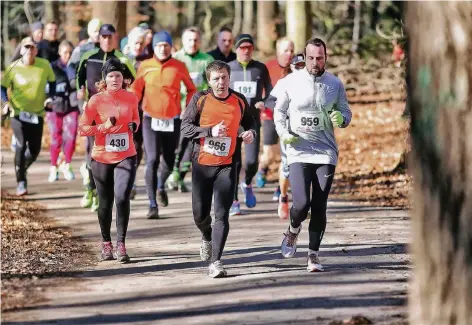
(312, 252)
(294, 230)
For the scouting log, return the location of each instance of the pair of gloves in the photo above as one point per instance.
(336, 118)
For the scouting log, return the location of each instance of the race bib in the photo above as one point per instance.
(217, 146)
(166, 125)
(116, 142)
(247, 88)
(310, 122)
(197, 78)
(29, 117)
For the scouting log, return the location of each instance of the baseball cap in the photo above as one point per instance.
(107, 29)
(243, 38)
(36, 25)
(298, 58)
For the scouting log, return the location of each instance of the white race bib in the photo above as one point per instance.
(247, 88)
(309, 122)
(166, 125)
(218, 146)
(116, 142)
(197, 78)
(29, 117)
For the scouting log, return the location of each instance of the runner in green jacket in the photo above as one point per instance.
(196, 62)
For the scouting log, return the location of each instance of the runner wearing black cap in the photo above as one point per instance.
(250, 78)
(88, 73)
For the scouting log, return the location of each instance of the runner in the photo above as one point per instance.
(214, 119)
(111, 116)
(278, 68)
(135, 48)
(311, 149)
(158, 86)
(62, 119)
(252, 79)
(223, 50)
(297, 63)
(93, 29)
(196, 62)
(27, 78)
(88, 74)
(37, 35)
(48, 48)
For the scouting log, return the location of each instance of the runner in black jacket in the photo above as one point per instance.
(250, 78)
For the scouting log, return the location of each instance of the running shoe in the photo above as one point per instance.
(67, 171)
(260, 179)
(120, 253)
(86, 201)
(21, 189)
(94, 206)
(53, 174)
(235, 209)
(276, 194)
(216, 270)
(153, 213)
(289, 244)
(314, 264)
(172, 181)
(283, 210)
(182, 187)
(205, 250)
(249, 197)
(107, 251)
(85, 174)
(162, 198)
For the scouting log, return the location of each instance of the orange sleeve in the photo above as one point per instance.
(137, 87)
(191, 89)
(88, 117)
(135, 111)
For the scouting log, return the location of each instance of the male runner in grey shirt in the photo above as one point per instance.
(312, 103)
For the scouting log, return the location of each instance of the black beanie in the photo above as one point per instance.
(112, 64)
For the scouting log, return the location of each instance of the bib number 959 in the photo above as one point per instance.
(310, 121)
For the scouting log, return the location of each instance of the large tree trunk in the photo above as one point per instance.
(439, 85)
(133, 17)
(190, 12)
(51, 11)
(237, 17)
(356, 30)
(71, 25)
(248, 16)
(266, 29)
(298, 18)
(111, 12)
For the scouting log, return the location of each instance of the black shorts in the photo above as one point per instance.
(269, 135)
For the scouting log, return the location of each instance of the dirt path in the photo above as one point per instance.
(364, 253)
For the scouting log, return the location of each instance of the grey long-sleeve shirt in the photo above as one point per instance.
(303, 105)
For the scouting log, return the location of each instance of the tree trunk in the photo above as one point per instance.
(237, 17)
(298, 23)
(266, 29)
(356, 27)
(133, 17)
(51, 11)
(190, 11)
(248, 16)
(439, 86)
(71, 25)
(5, 42)
(111, 12)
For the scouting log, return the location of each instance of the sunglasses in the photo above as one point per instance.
(248, 47)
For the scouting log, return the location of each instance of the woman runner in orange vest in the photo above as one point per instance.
(112, 117)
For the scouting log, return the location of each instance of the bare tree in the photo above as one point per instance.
(237, 17)
(248, 16)
(51, 11)
(71, 25)
(356, 30)
(439, 87)
(266, 29)
(190, 12)
(298, 18)
(111, 12)
(132, 14)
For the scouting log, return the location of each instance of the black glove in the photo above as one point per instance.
(113, 120)
(132, 126)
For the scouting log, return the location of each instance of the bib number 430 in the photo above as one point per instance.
(116, 142)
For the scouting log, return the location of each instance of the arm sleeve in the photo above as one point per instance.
(81, 74)
(86, 127)
(343, 106)
(247, 122)
(267, 82)
(190, 122)
(137, 87)
(52, 88)
(280, 113)
(136, 112)
(191, 90)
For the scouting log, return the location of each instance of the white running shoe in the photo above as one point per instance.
(289, 244)
(85, 174)
(314, 264)
(205, 250)
(53, 174)
(67, 171)
(216, 270)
